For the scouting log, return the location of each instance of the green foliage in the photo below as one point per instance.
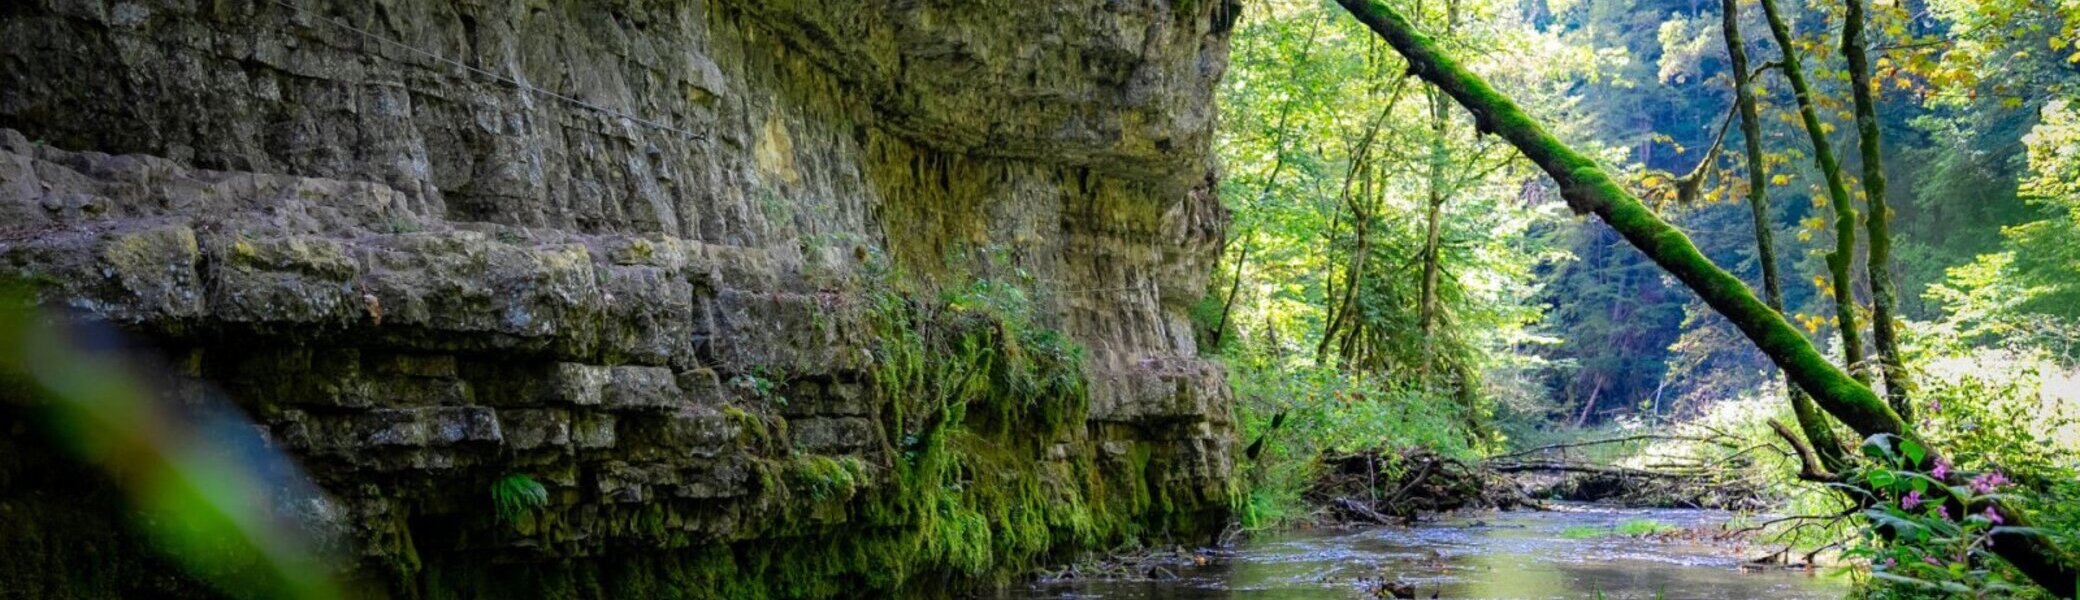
(763, 382)
(516, 498)
(1321, 411)
(1329, 323)
(1940, 534)
(1626, 528)
(1642, 527)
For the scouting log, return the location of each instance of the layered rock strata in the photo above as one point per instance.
(643, 253)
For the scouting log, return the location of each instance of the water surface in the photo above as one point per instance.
(1495, 555)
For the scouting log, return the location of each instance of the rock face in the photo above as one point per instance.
(647, 254)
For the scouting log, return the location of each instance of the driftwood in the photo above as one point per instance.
(1369, 487)
(1358, 511)
(1810, 467)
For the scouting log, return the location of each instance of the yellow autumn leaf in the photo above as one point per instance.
(1780, 179)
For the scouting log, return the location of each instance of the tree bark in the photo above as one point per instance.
(1841, 262)
(1877, 224)
(1220, 327)
(1587, 188)
(1813, 423)
(1440, 159)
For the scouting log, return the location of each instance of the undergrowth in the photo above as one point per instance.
(1291, 416)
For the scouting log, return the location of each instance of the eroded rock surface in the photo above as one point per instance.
(624, 248)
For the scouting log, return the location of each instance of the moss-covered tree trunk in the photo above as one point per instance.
(1440, 162)
(1588, 188)
(1439, 157)
(1840, 263)
(1878, 223)
(1813, 423)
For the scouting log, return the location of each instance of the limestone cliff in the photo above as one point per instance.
(774, 297)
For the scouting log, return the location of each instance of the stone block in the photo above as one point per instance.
(592, 430)
(834, 435)
(289, 279)
(641, 387)
(677, 434)
(573, 383)
(527, 429)
(416, 427)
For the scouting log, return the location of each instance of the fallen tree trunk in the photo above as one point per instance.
(1561, 466)
(1356, 510)
(1588, 189)
(1617, 440)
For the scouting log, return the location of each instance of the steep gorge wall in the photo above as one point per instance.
(669, 295)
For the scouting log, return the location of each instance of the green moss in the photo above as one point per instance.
(824, 478)
(753, 430)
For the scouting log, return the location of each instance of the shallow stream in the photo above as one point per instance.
(1574, 552)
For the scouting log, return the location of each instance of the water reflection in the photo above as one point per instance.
(1507, 555)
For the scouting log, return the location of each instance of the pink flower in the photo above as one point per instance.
(1891, 562)
(1942, 469)
(1994, 515)
(1931, 560)
(1944, 512)
(1912, 500)
(1987, 482)
(1935, 406)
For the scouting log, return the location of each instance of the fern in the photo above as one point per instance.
(517, 496)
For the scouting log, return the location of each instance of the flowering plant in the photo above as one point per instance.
(1934, 523)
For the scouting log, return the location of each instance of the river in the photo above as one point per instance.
(1574, 552)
